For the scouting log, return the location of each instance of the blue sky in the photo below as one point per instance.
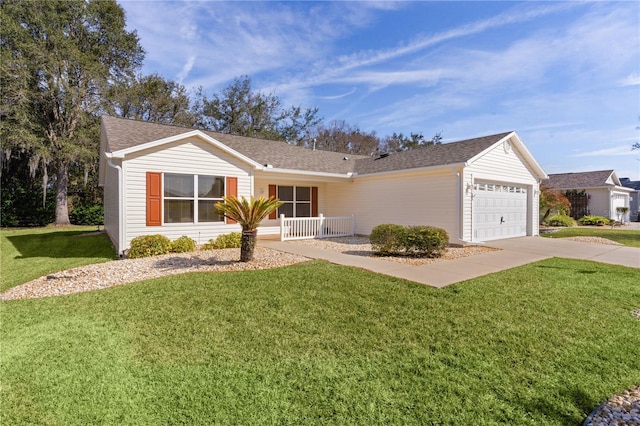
(564, 75)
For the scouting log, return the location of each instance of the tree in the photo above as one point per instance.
(57, 58)
(398, 142)
(150, 98)
(552, 200)
(249, 214)
(339, 136)
(239, 110)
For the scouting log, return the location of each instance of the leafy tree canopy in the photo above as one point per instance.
(239, 110)
(151, 98)
(56, 61)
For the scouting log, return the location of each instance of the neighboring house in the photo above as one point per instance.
(162, 179)
(604, 191)
(634, 197)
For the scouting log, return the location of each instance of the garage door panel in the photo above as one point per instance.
(500, 211)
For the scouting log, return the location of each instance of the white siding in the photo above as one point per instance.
(600, 202)
(272, 226)
(191, 156)
(427, 198)
(500, 166)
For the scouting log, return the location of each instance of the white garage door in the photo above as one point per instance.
(499, 211)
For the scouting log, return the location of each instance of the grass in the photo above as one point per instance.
(316, 343)
(630, 238)
(26, 254)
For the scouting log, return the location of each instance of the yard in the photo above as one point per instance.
(317, 343)
(630, 238)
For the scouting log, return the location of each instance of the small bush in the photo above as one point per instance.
(209, 245)
(386, 238)
(149, 245)
(560, 220)
(87, 215)
(183, 244)
(423, 241)
(594, 220)
(426, 241)
(231, 240)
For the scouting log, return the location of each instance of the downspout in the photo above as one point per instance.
(460, 193)
(460, 217)
(120, 206)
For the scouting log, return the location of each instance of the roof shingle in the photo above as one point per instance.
(123, 133)
(579, 180)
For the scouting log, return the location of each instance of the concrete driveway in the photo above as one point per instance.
(557, 247)
(513, 252)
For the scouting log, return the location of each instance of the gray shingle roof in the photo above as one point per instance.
(436, 155)
(633, 184)
(124, 133)
(580, 180)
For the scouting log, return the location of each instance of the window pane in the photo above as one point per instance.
(286, 209)
(178, 211)
(285, 193)
(303, 193)
(208, 213)
(210, 186)
(178, 185)
(303, 210)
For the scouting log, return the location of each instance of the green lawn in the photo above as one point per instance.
(316, 343)
(629, 238)
(26, 254)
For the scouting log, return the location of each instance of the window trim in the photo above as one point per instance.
(194, 198)
(311, 202)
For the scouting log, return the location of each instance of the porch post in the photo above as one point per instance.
(321, 230)
(353, 224)
(282, 227)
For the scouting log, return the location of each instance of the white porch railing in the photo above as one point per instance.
(298, 228)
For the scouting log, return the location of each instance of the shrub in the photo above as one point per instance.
(209, 245)
(87, 215)
(389, 239)
(594, 220)
(560, 220)
(231, 240)
(183, 244)
(426, 241)
(386, 238)
(149, 245)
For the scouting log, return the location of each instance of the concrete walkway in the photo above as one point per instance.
(513, 252)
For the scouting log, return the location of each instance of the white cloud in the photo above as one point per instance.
(630, 80)
(340, 96)
(624, 150)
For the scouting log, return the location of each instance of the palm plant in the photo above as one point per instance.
(249, 214)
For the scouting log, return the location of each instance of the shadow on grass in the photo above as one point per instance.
(62, 244)
(549, 409)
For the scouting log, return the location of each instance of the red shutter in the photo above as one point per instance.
(232, 191)
(314, 201)
(272, 193)
(154, 199)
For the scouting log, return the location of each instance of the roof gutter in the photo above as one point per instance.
(415, 170)
(270, 169)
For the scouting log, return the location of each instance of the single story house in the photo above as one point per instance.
(161, 179)
(604, 192)
(634, 198)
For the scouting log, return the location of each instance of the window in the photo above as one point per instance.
(296, 199)
(183, 204)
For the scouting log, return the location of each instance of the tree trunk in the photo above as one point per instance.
(248, 244)
(62, 181)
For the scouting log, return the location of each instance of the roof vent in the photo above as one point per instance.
(269, 166)
(345, 158)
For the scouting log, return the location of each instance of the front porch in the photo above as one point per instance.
(299, 228)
